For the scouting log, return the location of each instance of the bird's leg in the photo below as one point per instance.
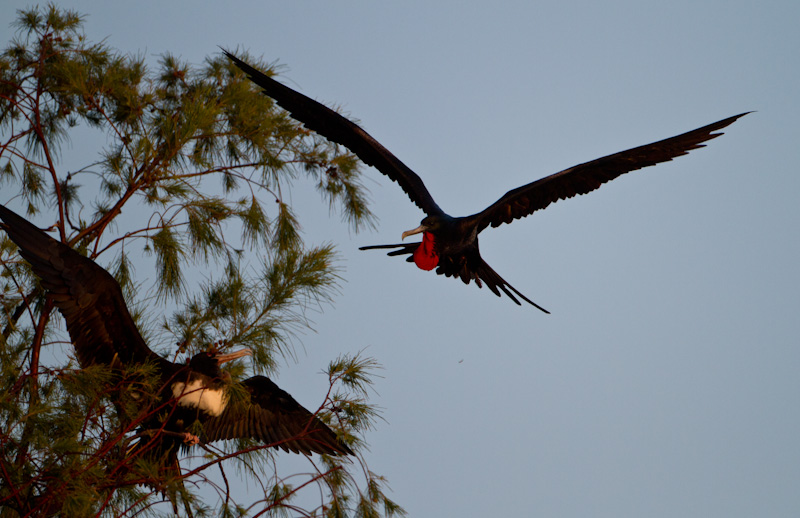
(191, 439)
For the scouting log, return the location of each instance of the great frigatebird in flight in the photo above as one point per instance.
(450, 244)
(103, 333)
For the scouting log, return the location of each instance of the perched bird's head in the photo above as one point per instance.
(209, 363)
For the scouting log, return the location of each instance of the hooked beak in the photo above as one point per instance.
(224, 358)
(421, 228)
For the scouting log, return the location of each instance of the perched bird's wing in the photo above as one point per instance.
(336, 128)
(587, 177)
(88, 297)
(272, 416)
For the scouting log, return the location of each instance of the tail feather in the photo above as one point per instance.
(406, 248)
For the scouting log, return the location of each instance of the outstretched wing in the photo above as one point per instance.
(336, 128)
(467, 265)
(589, 176)
(272, 416)
(88, 297)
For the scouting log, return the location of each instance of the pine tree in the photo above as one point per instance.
(200, 164)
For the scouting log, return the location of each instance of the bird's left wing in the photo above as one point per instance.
(586, 177)
(272, 416)
(336, 128)
(88, 297)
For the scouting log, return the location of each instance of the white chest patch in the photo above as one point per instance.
(195, 395)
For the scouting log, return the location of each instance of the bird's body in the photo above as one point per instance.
(103, 333)
(450, 244)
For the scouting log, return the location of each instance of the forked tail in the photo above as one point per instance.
(403, 248)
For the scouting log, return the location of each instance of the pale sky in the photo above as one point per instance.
(665, 383)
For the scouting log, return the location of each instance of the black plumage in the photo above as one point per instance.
(450, 244)
(103, 333)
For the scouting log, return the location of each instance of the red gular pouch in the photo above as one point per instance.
(425, 256)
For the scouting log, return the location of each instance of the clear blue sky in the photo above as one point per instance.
(665, 383)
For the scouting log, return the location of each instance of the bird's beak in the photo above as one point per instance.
(224, 358)
(421, 228)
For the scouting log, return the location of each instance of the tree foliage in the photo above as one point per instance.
(192, 174)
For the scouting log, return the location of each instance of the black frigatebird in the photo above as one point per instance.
(450, 244)
(103, 333)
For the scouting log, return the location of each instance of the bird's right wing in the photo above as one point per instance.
(272, 416)
(336, 128)
(88, 297)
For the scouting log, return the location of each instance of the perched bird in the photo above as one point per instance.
(103, 333)
(450, 244)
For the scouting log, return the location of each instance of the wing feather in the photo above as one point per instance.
(336, 128)
(272, 416)
(88, 297)
(586, 177)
